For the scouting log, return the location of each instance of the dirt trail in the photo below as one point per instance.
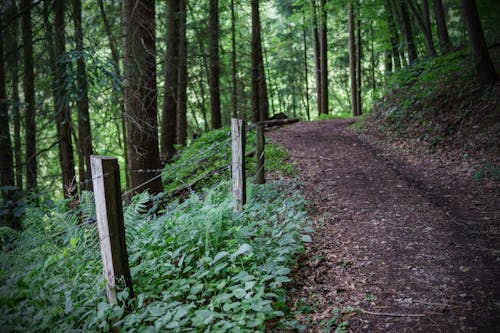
(410, 239)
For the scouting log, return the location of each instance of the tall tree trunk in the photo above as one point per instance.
(442, 30)
(484, 65)
(29, 98)
(117, 95)
(424, 24)
(182, 78)
(306, 72)
(323, 47)
(82, 102)
(387, 65)
(317, 62)
(359, 56)
(213, 46)
(352, 60)
(260, 105)
(263, 100)
(63, 112)
(6, 158)
(393, 32)
(169, 111)
(234, 94)
(12, 44)
(408, 33)
(139, 63)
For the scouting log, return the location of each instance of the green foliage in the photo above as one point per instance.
(197, 266)
(278, 160)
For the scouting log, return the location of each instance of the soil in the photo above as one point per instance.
(404, 241)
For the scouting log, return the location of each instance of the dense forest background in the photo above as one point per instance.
(83, 77)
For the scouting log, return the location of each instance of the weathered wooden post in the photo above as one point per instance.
(260, 175)
(238, 163)
(109, 214)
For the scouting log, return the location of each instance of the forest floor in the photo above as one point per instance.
(409, 237)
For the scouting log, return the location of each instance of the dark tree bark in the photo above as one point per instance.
(317, 62)
(117, 94)
(408, 33)
(424, 24)
(82, 102)
(182, 78)
(323, 47)
(393, 32)
(484, 65)
(213, 78)
(63, 113)
(169, 111)
(306, 73)
(359, 56)
(29, 98)
(260, 105)
(352, 60)
(6, 157)
(139, 63)
(12, 45)
(442, 30)
(234, 94)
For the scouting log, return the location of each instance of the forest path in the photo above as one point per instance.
(414, 239)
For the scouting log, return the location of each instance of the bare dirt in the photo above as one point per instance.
(405, 241)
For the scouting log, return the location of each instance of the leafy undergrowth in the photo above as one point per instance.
(440, 104)
(207, 160)
(196, 266)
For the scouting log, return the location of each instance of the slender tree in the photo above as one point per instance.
(29, 97)
(442, 30)
(117, 92)
(394, 38)
(423, 22)
(352, 59)
(139, 63)
(317, 62)
(6, 158)
(213, 78)
(260, 106)
(306, 73)
(408, 32)
(359, 50)
(484, 65)
(63, 113)
(182, 77)
(234, 93)
(12, 45)
(82, 102)
(323, 50)
(169, 111)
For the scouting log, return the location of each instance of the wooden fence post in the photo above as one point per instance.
(260, 175)
(109, 214)
(238, 163)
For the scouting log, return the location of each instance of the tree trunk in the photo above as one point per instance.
(63, 113)
(317, 62)
(12, 45)
(234, 94)
(82, 102)
(423, 22)
(6, 158)
(139, 63)
(442, 30)
(306, 72)
(359, 55)
(323, 48)
(213, 46)
(393, 32)
(263, 100)
(169, 111)
(29, 98)
(182, 79)
(352, 60)
(116, 64)
(484, 65)
(260, 106)
(408, 33)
